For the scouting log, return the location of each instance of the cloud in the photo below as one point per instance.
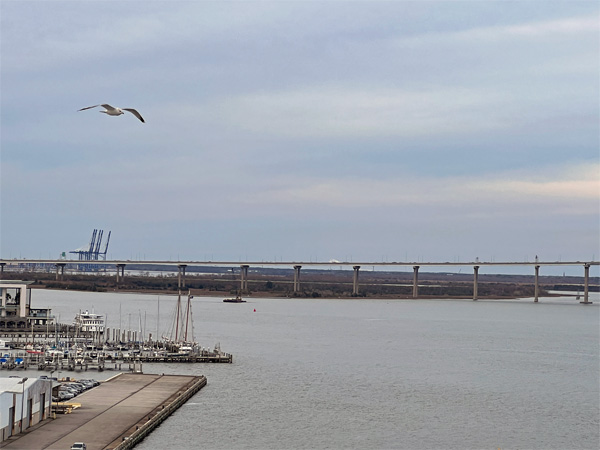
(60, 34)
(576, 188)
(343, 111)
(465, 82)
(533, 30)
(576, 183)
(550, 28)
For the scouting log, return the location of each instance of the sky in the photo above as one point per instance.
(302, 130)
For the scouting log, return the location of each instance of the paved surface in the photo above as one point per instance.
(108, 412)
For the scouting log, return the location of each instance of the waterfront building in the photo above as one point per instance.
(16, 312)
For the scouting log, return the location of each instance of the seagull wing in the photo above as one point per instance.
(108, 107)
(135, 113)
(89, 107)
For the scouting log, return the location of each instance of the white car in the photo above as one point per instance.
(78, 446)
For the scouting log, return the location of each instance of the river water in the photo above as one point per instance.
(376, 374)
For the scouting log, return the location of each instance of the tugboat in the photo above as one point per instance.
(237, 299)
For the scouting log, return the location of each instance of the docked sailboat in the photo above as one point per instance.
(181, 337)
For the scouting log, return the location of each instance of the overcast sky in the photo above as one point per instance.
(381, 131)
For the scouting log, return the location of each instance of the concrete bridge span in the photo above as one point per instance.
(181, 266)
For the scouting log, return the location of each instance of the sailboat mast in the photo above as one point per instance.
(187, 316)
(192, 321)
(177, 319)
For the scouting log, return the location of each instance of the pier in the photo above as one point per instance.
(116, 361)
(115, 415)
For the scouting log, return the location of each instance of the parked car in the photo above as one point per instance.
(78, 446)
(78, 387)
(62, 395)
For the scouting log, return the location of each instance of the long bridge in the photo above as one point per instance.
(181, 266)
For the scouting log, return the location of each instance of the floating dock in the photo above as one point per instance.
(115, 415)
(116, 361)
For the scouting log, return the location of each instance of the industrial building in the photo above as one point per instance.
(23, 403)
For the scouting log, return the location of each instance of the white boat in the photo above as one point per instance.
(89, 322)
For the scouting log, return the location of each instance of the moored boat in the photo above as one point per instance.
(89, 322)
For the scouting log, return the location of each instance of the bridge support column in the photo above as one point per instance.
(181, 275)
(475, 282)
(297, 278)
(244, 278)
(537, 284)
(120, 273)
(586, 285)
(60, 271)
(415, 293)
(355, 281)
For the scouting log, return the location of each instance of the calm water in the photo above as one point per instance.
(377, 374)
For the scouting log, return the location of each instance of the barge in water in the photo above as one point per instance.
(237, 299)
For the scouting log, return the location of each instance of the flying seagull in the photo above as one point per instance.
(111, 111)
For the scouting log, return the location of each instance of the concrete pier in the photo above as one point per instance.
(181, 275)
(120, 273)
(355, 280)
(586, 277)
(115, 415)
(537, 284)
(60, 271)
(244, 278)
(475, 282)
(415, 281)
(297, 278)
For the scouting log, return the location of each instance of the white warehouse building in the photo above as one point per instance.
(23, 403)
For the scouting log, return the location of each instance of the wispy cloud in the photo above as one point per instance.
(575, 185)
(533, 29)
(357, 111)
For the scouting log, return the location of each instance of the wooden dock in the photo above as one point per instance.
(115, 415)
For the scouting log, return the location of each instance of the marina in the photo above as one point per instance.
(130, 403)
(32, 339)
